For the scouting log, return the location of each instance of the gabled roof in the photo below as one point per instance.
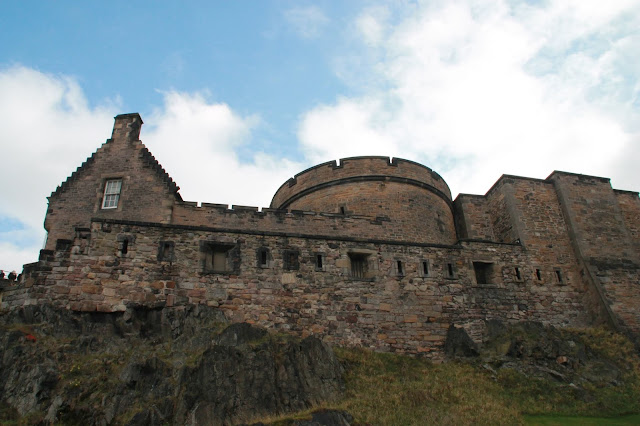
(160, 171)
(145, 156)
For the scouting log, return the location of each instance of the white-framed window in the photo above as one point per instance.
(111, 197)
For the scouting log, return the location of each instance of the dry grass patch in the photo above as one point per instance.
(386, 389)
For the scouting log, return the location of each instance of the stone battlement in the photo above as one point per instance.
(368, 251)
(372, 167)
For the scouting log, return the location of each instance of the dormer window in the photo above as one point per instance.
(111, 197)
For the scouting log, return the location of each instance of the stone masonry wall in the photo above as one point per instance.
(147, 192)
(604, 244)
(387, 311)
(417, 214)
(473, 220)
(358, 167)
(249, 219)
(630, 207)
(499, 200)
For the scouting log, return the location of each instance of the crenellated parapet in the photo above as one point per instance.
(368, 168)
(413, 197)
(269, 221)
(364, 251)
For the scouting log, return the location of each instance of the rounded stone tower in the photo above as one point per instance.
(406, 193)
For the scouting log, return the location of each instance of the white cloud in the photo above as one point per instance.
(49, 130)
(372, 24)
(475, 89)
(308, 21)
(471, 88)
(196, 142)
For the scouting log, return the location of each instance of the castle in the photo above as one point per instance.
(368, 251)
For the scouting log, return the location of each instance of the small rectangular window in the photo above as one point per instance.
(290, 260)
(319, 261)
(450, 272)
(399, 268)
(124, 247)
(518, 274)
(112, 188)
(124, 241)
(538, 275)
(216, 257)
(425, 268)
(559, 278)
(263, 257)
(166, 251)
(484, 272)
(359, 267)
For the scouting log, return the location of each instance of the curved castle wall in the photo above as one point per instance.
(411, 196)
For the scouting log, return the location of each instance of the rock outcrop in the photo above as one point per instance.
(156, 366)
(537, 351)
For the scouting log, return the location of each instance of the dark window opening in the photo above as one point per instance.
(538, 275)
(399, 267)
(216, 257)
(290, 260)
(318, 262)
(342, 211)
(263, 257)
(359, 267)
(484, 272)
(518, 275)
(124, 247)
(558, 275)
(450, 272)
(166, 251)
(425, 268)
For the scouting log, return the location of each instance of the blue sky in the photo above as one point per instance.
(250, 54)
(238, 96)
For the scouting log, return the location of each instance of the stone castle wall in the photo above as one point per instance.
(388, 310)
(145, 197)
(370, 251)
(357, 168)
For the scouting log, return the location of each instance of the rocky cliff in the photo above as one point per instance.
(155, 366)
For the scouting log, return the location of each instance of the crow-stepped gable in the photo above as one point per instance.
(366, 251)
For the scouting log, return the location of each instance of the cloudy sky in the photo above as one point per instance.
(238, 96)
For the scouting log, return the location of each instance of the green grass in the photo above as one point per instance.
(633, 419)
(386, 389)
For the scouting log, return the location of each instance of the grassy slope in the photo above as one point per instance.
(387, 389)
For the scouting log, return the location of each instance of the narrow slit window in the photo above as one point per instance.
(450, 273)
(263, 257)
(559, 278)
(318, 261)
(538, 275)
(518, 274)
(425, 268)
(399, 267)
(112, 189)
(342, 210)
(124, 247)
